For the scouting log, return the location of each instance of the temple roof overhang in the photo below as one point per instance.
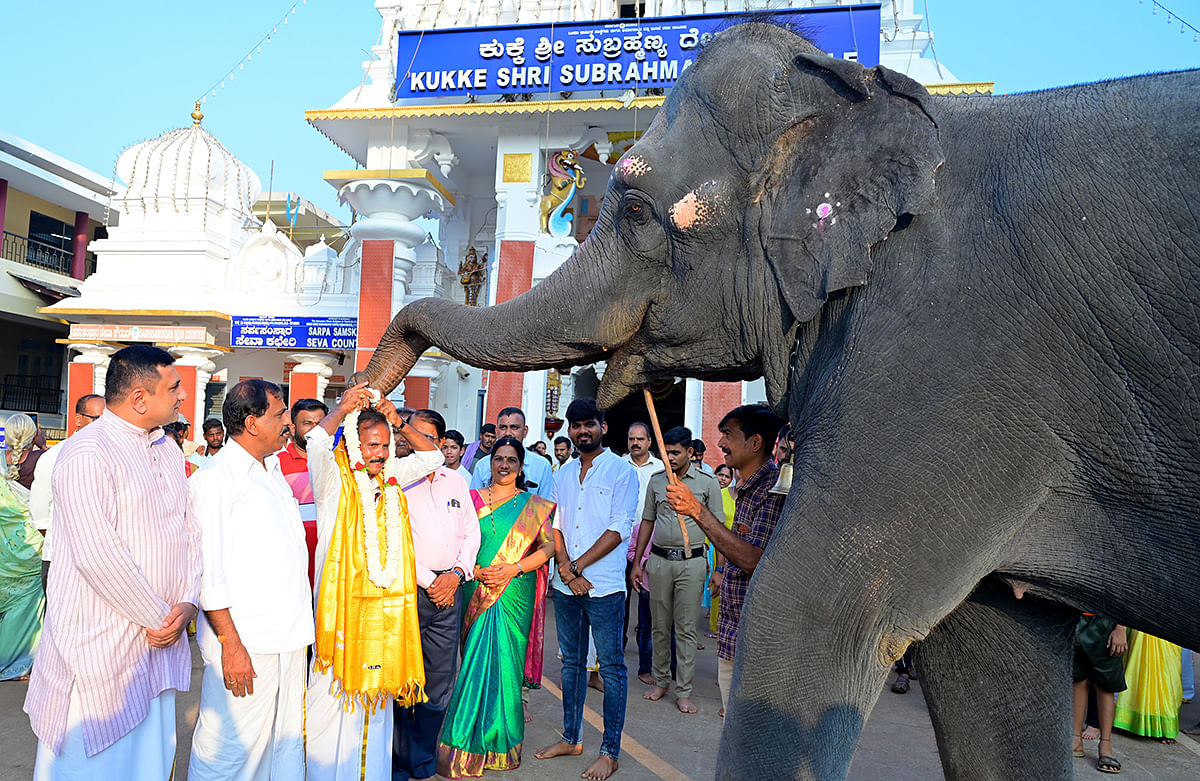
(352, 137)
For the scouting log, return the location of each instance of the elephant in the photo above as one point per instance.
(979, 316)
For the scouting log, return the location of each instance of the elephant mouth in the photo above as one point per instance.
(627, 373)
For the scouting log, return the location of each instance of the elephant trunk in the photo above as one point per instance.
(573, 317)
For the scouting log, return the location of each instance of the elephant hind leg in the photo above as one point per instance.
(996, 674)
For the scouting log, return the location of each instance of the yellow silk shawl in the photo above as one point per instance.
(368, 636)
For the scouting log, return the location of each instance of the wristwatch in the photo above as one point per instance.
(462, 576)
(718, 569)
(574, 568)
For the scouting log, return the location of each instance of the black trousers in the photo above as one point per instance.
(416, 730)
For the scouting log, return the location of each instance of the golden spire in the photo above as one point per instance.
(196, 115)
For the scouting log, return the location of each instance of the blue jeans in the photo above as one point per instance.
(605, 615)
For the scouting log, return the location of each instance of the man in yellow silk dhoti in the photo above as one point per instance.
(368, 647)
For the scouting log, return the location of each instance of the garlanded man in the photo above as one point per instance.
(445, 532)
(368, 642)
(125, 584)
(677, 567)
(747, 439)
(257, 622)
(597, 501)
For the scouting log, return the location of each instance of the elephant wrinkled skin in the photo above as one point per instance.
(980, 317)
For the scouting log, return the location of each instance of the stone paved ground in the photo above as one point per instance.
(660, 743)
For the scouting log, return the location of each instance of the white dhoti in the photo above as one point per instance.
(344, 746)
(256, 737)
(145, 754)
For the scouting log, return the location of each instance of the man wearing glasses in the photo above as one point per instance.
(87, 409)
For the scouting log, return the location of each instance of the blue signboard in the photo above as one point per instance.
(308, 333)
(590, 56)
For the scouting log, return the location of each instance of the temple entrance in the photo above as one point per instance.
(633, 410)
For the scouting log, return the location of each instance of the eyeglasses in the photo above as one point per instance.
(90, 417)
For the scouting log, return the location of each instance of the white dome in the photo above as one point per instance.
(184, 169)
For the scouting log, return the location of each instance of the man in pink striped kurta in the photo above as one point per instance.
(124, 585)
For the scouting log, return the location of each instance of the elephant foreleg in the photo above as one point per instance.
(996, 673)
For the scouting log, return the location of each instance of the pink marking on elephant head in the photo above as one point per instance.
(633, 166)
(697, 208)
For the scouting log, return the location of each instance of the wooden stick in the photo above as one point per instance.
(672, 478)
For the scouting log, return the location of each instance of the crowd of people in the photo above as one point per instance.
(368, 590)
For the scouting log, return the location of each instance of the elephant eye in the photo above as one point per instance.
(633, 208)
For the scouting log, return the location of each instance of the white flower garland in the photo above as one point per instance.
(381, 575)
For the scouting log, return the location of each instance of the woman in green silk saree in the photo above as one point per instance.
(502, 633)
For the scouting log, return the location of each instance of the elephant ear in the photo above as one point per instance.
(859, 154)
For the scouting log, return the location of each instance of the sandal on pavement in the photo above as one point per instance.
(1078, 752)
(901, 685)
(1105, 763)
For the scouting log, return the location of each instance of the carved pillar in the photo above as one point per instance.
(517, 159)
(195, 366)
(310, 376)
(389, 236)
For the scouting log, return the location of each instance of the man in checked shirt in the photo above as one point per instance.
(747, 439)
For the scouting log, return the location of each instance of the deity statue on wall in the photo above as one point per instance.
(566, 177)
(472, 273)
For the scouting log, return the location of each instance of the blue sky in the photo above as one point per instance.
(90, 79)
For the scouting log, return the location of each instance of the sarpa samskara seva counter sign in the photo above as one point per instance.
(309, 333)
(591, 56)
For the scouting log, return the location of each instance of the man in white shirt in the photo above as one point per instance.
(640, 457)
(257, 620)
(355, 744)
(562, 452)
(41, 500)
(445, 532)
(539, 477)
(452, 449)
(597, 502)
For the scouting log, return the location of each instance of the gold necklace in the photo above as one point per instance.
(492, 508)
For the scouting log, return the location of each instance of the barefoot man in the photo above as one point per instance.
(368, 648)
(597, 501)
(677, 567)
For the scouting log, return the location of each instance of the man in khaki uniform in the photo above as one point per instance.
(677, 567)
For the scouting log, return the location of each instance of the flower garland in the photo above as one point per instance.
(381, 575)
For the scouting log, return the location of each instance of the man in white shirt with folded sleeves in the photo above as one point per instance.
(255, 596)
